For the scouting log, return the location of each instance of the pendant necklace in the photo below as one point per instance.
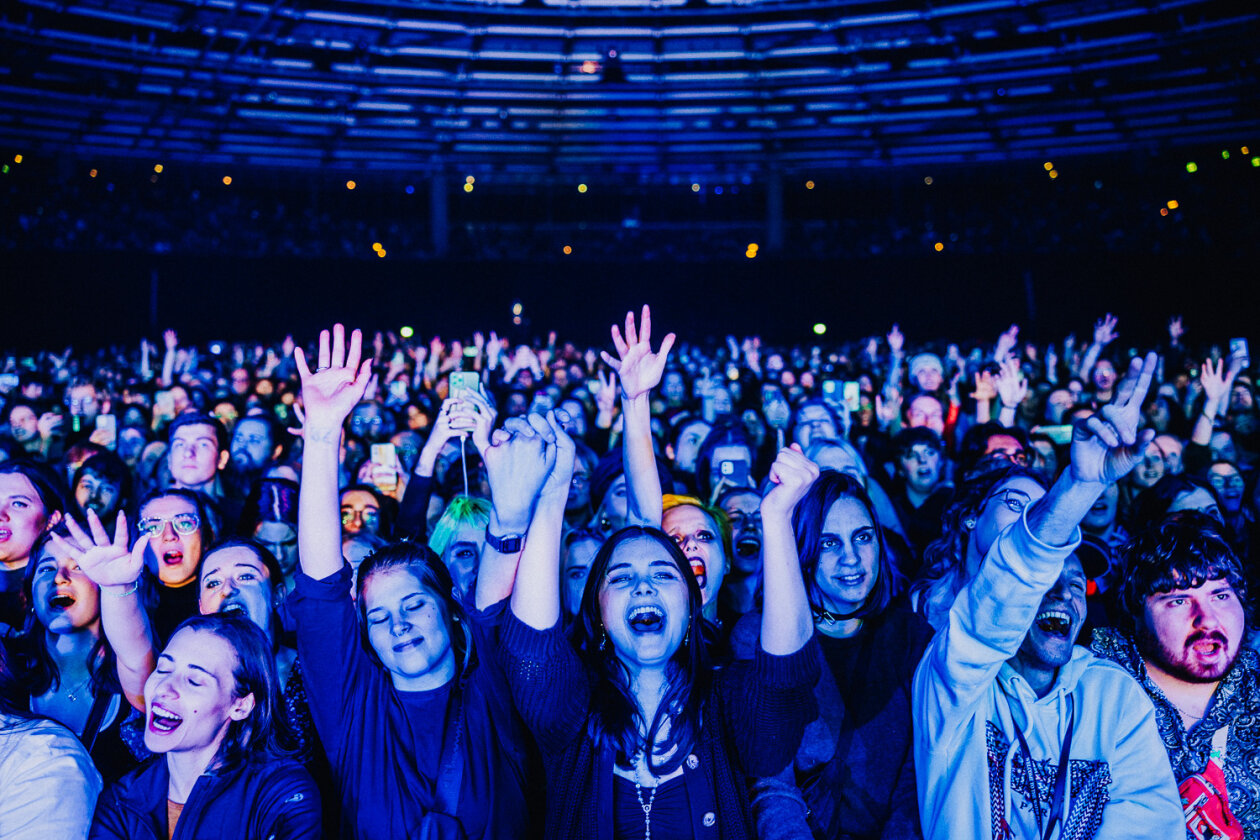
(638, 793)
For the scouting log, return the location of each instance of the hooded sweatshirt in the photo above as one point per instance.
(975, 778)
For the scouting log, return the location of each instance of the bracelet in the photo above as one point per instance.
(130, 591)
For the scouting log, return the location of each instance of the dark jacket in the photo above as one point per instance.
(383, 743)
(258, 800)
(752, 723)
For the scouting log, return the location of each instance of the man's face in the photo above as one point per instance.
(195, 456)
(1104, 375)
(920, 466)
(240, 381)
(367, 423)
(251, 444)
(1059, 619)
(23, 424)
(744, 510)
(929, 377)
(1171, 449)
(1193, 634)
(1228, 483)
(813, 421)
(1103, 514)
(693, 435)
(927, 412)
(83, 401)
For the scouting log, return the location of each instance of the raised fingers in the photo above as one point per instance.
(325, 352)
(356, 349)
(338, 346)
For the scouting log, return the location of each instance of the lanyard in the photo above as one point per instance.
(1060, 781)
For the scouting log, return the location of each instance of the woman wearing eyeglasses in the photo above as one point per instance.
(983, 507)
(178, 528)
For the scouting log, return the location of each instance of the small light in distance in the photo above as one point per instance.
(468, 187)
(1192, 167)
(589, 67)
(406, 332)
(695, 188)
(582, 188)
(809, 185)
(409, 189)
(92, 173)
(516, 319)
(376, 246)
(227, 180)
(18, 158)
(751, 254)
(1255, 161)
(157, 168)
(1173, 205)
(1163, 211)
(1048, 165)
(381, 253)
(1098, 185)
(939, 246)
(517, 309)
(351, 185)
(1054, 173)
(568, 249)
(1245, 150)
(820, 329)
(928, 180)
(153, 178)
(4, 169)
(1224, 154)
(470, 180)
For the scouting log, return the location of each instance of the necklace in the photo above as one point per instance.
(638, 794)
(73, 693)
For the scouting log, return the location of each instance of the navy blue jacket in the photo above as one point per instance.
(363, 721)
(258, 800)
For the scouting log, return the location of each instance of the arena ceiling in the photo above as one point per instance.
(641, 89)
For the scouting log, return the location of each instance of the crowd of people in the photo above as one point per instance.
(386, 588)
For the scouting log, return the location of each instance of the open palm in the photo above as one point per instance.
(331, 391)
(1107, 445)
(638, 368)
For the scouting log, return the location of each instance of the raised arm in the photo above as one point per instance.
(116, 570)
(1104, 334)
(786, 623)
(1216, 390)
(639, 370)
(329, 393)
(546, 454)
(1012, 389)
(517, 463)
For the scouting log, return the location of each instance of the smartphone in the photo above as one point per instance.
(398, 388)
(108, 424)
(1061, 435)
(385, 457)
(735, 473)
(852, 395)
(164, 403)
(831, 391)
(463, 380)
(1238, 350)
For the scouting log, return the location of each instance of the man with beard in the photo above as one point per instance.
(1184, 596)
(1018, 732)
(255, 446)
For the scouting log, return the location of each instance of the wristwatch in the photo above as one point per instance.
(509, 544)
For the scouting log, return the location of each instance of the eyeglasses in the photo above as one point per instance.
(183, 523)
(1233, 482)
(348, 515)
(1019, 457)
(1015, 500)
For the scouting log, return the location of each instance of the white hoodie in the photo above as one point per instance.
(968, 703)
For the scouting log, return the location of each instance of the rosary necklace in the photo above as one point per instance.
(638, 793)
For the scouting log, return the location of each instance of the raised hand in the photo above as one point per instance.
(48, 423)
(1215, 383)
(986, 387)
(1010, 384)
(888, 406)
(606, 399)
(170, 339)
(1006, 343)
(638, 368)
(1105, 330)
(1107, 445)
(896, 340)
(792, 474)
(1175, 329)
(518, 462)
(562, 456)
(106, 562)
(335, 387)
(474, 414)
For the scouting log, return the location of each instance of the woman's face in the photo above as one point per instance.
(461, 556)
(65, 598)
(360, 513)
(233, 579)
(190, 698)
(174, 530)
(1197, 499)
(1228, 483)
(613, 508)
(1002, 508)
(643, 603)
(848, 556)
(699, 538)
(841, 460)
(408, 628)
(22, 519)
(98, 493)
(921, 467)
(280, 538)
(23, 424)
(1151, 469)
(577, 567)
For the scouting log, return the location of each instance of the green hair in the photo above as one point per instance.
(463, 511)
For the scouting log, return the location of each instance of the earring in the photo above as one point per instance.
(603, 642)
(969, 524)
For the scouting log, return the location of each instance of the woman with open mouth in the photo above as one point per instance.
(854, 773)
(65, 662)
(639, 733)
(32, 501)
(178, 528)
(212, 714)
(413, 712)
